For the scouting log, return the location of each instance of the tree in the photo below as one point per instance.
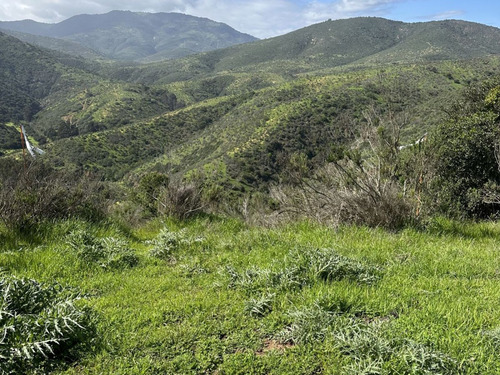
(464, 155)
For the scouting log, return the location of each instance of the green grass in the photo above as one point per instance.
(213, 305)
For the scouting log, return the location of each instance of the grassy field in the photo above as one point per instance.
(216, 296)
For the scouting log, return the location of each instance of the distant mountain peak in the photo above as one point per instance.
(126, 35)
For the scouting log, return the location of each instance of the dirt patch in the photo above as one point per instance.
(273, 345)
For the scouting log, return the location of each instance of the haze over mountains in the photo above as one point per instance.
(125, 35)
(248, 108)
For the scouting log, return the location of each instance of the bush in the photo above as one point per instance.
(465, 155)
(181, 200)
(465, 163)
(149, 190)
(29, 197)
(346, 193)
(40, 324)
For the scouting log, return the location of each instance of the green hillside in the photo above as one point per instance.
(254, 135)
(61, 45)
(60, 96)
(250, 121)
(340, 43)
(254, 118)
(244, 107)
(29, 75)
(324, 202)
(134, 36)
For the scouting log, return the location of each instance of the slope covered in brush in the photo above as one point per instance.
(31, 78)
(256, 134)
(56, 44)
(63, 96)
(356, 41)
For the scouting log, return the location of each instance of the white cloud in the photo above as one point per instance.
(261, 18)
(318, 11)
(447, 15)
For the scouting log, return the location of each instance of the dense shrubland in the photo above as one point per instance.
(378, 181)
(326, 159)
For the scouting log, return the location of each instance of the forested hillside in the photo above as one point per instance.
(60, 96)
(275, 113)
(255, 134)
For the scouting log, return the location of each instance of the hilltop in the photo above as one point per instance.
(125, 35)
(341, 43)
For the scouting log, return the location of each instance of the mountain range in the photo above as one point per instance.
(244, 111)
(331, 44)
(125, 35)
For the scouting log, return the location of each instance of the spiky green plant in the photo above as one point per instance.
(167, 242)
(108, 253)
(308, 324)
(38, 323)
(260, 306)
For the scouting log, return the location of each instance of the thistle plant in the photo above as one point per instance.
(109, 252)
(168, 242)
(39, 325)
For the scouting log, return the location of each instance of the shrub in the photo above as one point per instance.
(40, 324)
(181, 200)
(109, 253)
(346, 192)
(150, 189)
(465, 152)
(29, 197)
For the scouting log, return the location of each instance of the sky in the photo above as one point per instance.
(263, 18)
